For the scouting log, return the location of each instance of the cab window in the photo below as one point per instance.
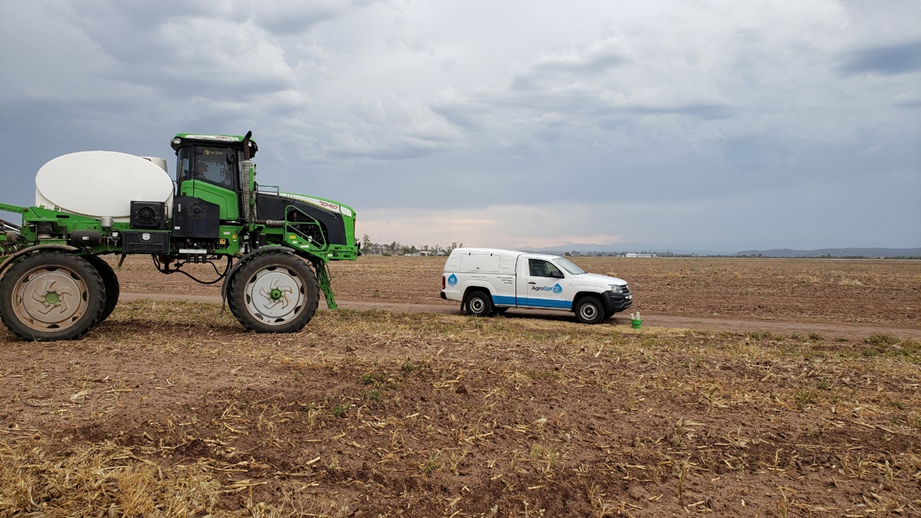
(541, 268)
(210, 164)
(184, 167)
(213, 165)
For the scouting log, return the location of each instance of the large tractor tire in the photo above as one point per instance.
(274, 292)
(109, 282)
(51, 295)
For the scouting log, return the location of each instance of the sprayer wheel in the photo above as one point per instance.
(109, 281)
(274, 292)
(51, 295)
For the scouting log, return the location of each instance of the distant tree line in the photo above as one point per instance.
(369, 247)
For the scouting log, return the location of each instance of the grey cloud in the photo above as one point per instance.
(292, 17)
(295, 21)
(199, 51)
(405, 149)
(699, 110)
(588, 104)
(886, 60)
(565, 69)
(754, 152)
(467, 115)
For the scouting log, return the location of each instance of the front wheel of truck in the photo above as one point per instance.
(589, 310)
(274, 292)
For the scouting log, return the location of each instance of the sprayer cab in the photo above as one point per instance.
(218, 169)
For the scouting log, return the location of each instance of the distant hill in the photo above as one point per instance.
(776, 252)
(621, 248)
(835, 252)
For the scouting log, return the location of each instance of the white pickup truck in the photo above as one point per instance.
(488, 281)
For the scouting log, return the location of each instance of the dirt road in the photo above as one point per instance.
(650, 319)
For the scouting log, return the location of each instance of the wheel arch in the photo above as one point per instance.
(580, 294)
(476, 286)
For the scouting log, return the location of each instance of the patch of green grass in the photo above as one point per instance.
(543, 374)
(432, 463)
(340, 410)
(805, 397)
(882, 339)
(372, 378)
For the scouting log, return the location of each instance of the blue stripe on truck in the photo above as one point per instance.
(501, 300)
(547, 303)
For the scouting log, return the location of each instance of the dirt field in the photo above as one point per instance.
(803, 399)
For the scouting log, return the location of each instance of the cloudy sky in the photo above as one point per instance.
(685, 125)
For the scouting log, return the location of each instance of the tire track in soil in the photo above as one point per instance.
(651, 320)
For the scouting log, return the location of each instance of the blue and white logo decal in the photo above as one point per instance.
(556, 289)
(452, 280)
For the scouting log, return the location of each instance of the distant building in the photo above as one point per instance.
(633, 254)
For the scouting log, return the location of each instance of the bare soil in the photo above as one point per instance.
(169, 408)
(839, 297)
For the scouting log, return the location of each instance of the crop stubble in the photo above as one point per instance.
(169, 408)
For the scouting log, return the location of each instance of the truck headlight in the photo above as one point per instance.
(616, 289)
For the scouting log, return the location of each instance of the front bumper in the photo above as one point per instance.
(616, 302)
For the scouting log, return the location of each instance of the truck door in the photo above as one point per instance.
(542, 285)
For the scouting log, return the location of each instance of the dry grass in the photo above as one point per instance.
(171, 410)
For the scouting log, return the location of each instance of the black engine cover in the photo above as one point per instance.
(275, 207)
(195, 218)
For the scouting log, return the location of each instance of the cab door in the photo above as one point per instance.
(542, 284)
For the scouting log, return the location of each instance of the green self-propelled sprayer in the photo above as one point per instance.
(270, 248)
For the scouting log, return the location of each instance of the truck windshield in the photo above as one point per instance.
(568, 266)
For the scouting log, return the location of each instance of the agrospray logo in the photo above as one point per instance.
(452, 280)
(556, 289)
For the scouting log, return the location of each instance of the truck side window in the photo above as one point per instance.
(539, 268)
